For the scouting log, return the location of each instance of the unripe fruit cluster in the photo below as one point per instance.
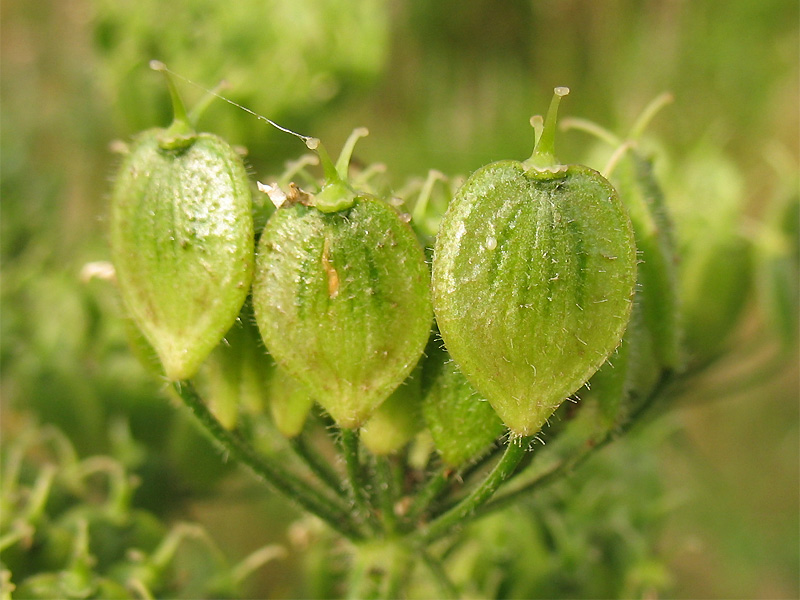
(534, 278)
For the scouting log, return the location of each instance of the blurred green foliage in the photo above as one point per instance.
(445, 85)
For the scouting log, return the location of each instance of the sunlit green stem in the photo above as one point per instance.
(615, 158)
(297, 168)
(336, 193)
(328, 168)
(256, 560)
(199, 108)
(421, 205)
(587, 126)
(537, 122)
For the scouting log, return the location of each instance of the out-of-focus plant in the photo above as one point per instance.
(287, 58)
(69, 529)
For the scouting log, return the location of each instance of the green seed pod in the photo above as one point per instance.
(716, 259)
(723, 267)
(236, 374)
(462, 424)
(642, 364)
(632, 175)
(289, 403)
(608, 388)
(627, 378)
(778, 265)
(182, 240)
(341, 296)
(397, 420)
(533, 275)
(657, 270)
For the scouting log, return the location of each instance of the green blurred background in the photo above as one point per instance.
(448, 85)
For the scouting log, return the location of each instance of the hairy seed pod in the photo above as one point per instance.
(657, 271)
(632, 174)
(462, 424)
(533, 276)
(341, 296)
(182, 240)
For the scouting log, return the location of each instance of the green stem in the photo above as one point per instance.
(384, 481)
(198, 109)
(355, 474)
(317, 465)
(431, 490)
(181, 132)
(479, 463)
(397, 575)
(537, 122)
(601, 133)
(270, 471)
(650, 111)
(456, 516)
(421, 205)
(447, 588)
(570, 463)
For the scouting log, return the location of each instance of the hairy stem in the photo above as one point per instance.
(466, 508)
(270, 471)
(317, 465)
(355, 474)
(384, 481)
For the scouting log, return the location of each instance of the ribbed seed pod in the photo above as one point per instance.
(342, 297)
(289, 403)
(657, 271)
(462, 424)
(533, 276)
(182, 240)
